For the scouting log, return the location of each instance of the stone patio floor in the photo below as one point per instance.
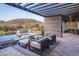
(66, 46)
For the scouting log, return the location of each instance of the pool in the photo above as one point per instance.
(7, 37)
(11, 37)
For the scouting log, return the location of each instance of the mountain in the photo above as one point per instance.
(22, 21)
(2, 21)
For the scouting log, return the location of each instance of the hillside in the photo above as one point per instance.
(21, 22)
(24, 21)
(9, 27)
(2, 22)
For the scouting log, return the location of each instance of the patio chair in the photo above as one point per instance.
(39, 46)
(52, 39)
(23, 43)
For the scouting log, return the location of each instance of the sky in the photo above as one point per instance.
(9, 13)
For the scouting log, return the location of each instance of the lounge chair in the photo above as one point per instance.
(7, 43)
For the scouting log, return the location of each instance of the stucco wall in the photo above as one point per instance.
(52, 25)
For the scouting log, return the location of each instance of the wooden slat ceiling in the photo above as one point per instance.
(48, 9)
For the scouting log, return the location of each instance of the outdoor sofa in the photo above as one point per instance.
(39, 46)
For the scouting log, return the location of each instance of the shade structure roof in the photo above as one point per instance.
(48, 9)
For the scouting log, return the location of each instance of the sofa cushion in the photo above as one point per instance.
(35, 44)
(24, 41)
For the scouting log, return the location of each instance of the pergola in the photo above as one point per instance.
(52, 12)
(48, 9)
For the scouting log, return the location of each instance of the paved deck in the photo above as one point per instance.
(16, 50)
(66, 46)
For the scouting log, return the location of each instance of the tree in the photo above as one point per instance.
(42, 30)
(19, 26)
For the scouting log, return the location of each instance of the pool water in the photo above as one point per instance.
(7, 37)
(10, 37)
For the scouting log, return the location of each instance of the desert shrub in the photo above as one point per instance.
(6, 33)
(3, 28)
